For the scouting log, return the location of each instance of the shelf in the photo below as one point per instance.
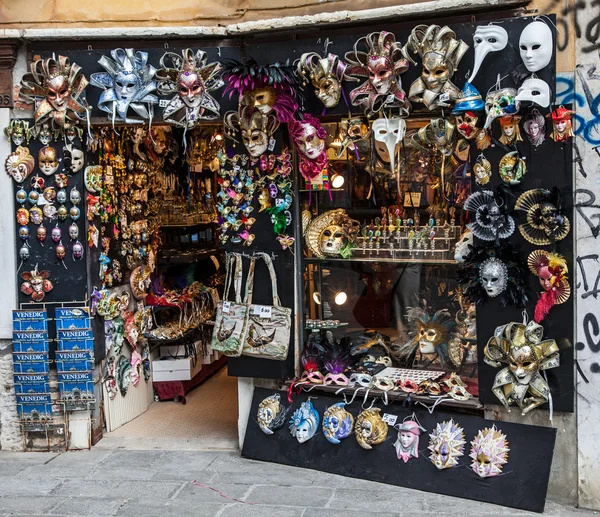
(382, 259)
(324, 190)
(185, 257)
(188, 225)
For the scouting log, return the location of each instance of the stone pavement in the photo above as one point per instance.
(208, 484)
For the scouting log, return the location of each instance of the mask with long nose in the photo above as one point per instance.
(487, 38)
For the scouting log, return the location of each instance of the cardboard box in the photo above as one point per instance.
(167, 369)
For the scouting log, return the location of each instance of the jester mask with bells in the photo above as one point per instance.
(553, 272)
(18, 131)
(380, 59)
(440, 54)
(192, 78)
(308, 137)
(489, 452)
(271, 414)
(447, 444)
(546, 223)
(370, 429)
(331, 234)
(326, 75)
(129, 82)
(57, 86)
(388, 134)
(525, 354)
(255, 129)
(268, 89)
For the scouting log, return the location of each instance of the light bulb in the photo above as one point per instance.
(340, 298)
(337, 181)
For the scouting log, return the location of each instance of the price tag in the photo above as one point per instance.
(272, 143)
(444, 97)
(226, 307)
(390, 419)
(412, 199)
(263, 311)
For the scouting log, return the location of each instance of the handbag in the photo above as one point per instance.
(231, 321)
(269, 326)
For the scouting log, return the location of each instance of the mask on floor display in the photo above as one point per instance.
(382, 62)
(407, 443)
(546, 222)
(255, 128)
(337, 423)
(482, 170)
(370, 429)
(330, 234)
(535, 46)
(447, 444)
(440, 54)
(489, 452)
(20, 164)
(562, 124)
(535, 128)
(36, 284)
(192, 78)
(304, 422)
(463, 245)
(308, 137)
(521, 348)
(129, 82)
(500, 102)
(271, 414)
(18, 131)
(491, 220)
(553, 273)
(56, 87)
(388, 134)
(487, 38)
(534, 90)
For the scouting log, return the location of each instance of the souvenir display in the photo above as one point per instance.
(546, 222)
(491, 219)
(512, 167)
(552, 270)
(486, 39)
(19, 165)
(535, 128)
(191, 78)
(370, 429)
(440, 53)
(447, 444)
(534, 90)
(18, 132)
(330, 234)
(482, 170)
(510, 130)
(500, 102)
(536, 46)
(304, 422)
(271, 414)
(36, 284)
(562, 124)
(381, 59)
(526, 355)
(338, 423)
(489, 452)
(407, 443)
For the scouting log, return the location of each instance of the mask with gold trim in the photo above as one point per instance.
(489, 452)
(370, 429)
(447, 444)
(326, 75)
(271, 414)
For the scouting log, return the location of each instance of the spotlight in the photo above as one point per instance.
(340, 298)
(337, 180)
(317, 297)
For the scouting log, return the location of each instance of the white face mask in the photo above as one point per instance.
(487, 38)
(461, 250)
(534, 90)
(535, 46)
(494, 277)
(390, 132)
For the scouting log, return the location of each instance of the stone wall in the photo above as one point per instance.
(10, 432)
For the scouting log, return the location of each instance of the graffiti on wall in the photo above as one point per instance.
(575, 18)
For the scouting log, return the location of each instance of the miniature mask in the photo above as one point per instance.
(61, 196)
(447, 444)
(510, 130)
(489, 452)
(271, 414)
(535, 128)
(33, 197)
(535, 46)
(491, 221)
(552, 270)
(48, 160)
(20, 164)
(45, 134)
(304, 422)
(73, 231)
(331, 234)
(500, 103)
(494, 276)
(482, 170)
(41, 233)
(326, 75)
(389, 133)
(21, 196)
(461, 250)
(381, 62)
(562, 124)
(24, 253)
(36, 216)
(36, 284)
(407, 443)
(525, 354)
(466, 124)
(546, 222)
(370, 429)
(512, 168)
(534, 90)
(75, 196)
(337, 423)
(440, 54)
(17, 131)
(487, 38)
(256, 129)
(308, 136)
(56, 234)
(24, 233)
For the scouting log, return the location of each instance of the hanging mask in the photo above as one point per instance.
(447, 444)
(326, 75)
(33, 197)
(256, 129)
(61, 180)
(510, 130)
(407, 443)
(466, 124)
(482, 170)
(388, 135)
(353, 131)
(553, 273)
(370, 429)
(56, 234)
(77, 250)
(535, 128)
(304, 422)
(331, 234)
(74, 213)
(61, 196)
(75, 196)
(500, 103)
(463, 245)
(546, 223)
(512, 168)
(41, 233)
(562, 124)
(37, 182)
(20, 164)
(22, 216)
(494, 277)
(337, 423)
(36, 284)
(489, 452)
(36, 216)
(534, 90)
(535, 46)
(24, 253)
(49, 194)
(469, 100)
(17, 131)
(50, 211)
(490, 220)
(271, 414)
(48, 160)
(61, 251)
(73, 231)
(24, 233)
(487, 38)
(308, 136)
(73, 159)
(21, 196)
(62, 213)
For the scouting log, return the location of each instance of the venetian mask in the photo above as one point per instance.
(466, 124)
(510, 130)
(370, 429)
(489, 452)
(271, 414)
(326, 75)
(447, 444)
(407, 443)
(20, 164)
(353, 130)
(256, 129)
(73, 231)
(430, 336)
(388, 134)
(461, 250)
(17, 131)
(77, 158)
(562, 125)
(45, 134)
(491, 221)
(331, 234)
(487, 38)
(500, 103)
(546, 222)
(48, 160)
(337, 423)
(36, 284)
(534, 90)
(535, 46)
(482, 169)
(535, 128)
(552, 271)
(309, 137)
(310, 142)
(494, 276)
(304, 422)
(332, 239)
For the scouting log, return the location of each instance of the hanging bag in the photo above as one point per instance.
(269, 326)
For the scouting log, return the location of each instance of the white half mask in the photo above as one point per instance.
(388, 133)
(76, 158)
(487, 38)
(494, 277)
(534, 90)
(535, 46)
(461, 250)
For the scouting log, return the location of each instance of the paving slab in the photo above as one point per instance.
(131, 459)
(85, 488)
(171, 508)
(88, 506)
(17, 486)
(30, 504)
(291, 496)
(244, 510)
(218, 493)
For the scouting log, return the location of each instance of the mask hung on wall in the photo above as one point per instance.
(511, 132)
(482, 170)
(128, 83)
(337, 423)
(18, 131)
(535, 128)
(191, 78)
(487, 38)
(447, 444)
(304, 422)
(491, 221)
(331, 234)
(73, 159)
(256, 129)
(388, 134)
(308, 137)
(534, 90)
(20, 164)
(48, 160)
(36, 284)
(535, 46)
(407, 443)
(463, 245)
(500, 103)
(381, 59)
(268, 88)
(546, 222)
(489, 452)
(44, 133)
(562, 124)
(440, 54)
(370, 429)
(271, 414)
(521, 348)
(353, 130)
(553, 272)
(56, 87)
(326, 75)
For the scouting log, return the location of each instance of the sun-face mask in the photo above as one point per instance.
(562, 124)
(271, 414)
(407, 443)
(331, 234)
(534, 90)
(254, 128)
(48, 160)
(304, 422)
(388, 134)
(18, 131)
(20, 164)
(553, 272)
(487, 38)
(337, 423)
(546, 222)
(370, 429)
(447, 444)
(489, 452)
(326, 75)
(535, 46)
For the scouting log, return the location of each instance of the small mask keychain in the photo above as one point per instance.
(23, 255)
(61, 253)
(535, 128)
(23, 216)
(75, 213)
(482, 170)
(41, 234)
(56, 234)
(36, 216)
(77, 251)
(21, 196)
(62, 213)
(74, 232)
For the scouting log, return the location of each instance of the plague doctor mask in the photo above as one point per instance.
(487, 38)
(388, 133)
(535, 46)
(534, 90)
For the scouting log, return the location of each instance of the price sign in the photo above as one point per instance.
(263, 311)
(226, 307)
(389, 419)
(6, 89)
(163, 103)
(412, 199)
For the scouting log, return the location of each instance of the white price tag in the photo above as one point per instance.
(390, 419)
(272, 143)
(263, 311)
(163, 103)
(226, 307)
(444, 97)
